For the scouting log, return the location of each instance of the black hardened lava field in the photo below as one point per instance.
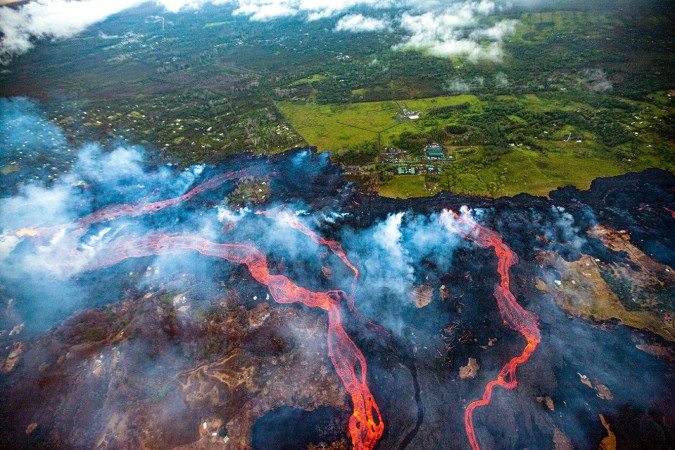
(180, 307)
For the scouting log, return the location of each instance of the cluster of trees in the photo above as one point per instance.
(454, 134)
(602, 123)
(358, 155)
(413, 143)
(446, 112)
(372, 180)
(502, 124)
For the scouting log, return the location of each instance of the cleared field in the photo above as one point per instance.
(534, 173)
(309, 80)
(519, 171)
(404, 187)
(336, 127)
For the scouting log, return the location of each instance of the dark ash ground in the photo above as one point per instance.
(162, 352)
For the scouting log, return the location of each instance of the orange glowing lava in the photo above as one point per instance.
(365, 424)
(514, 315)
(335, 248)
(30, 232)
(112, 212)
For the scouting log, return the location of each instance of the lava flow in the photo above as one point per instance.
(335, 248)
(365, 424)
(514, 315)
(112, 212)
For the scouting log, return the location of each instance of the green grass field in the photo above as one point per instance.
(528, 171)
(336, 127)
(519, 171)
(404, 187)
(308, 80)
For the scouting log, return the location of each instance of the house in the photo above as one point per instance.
(403, 170)
(355, 170)
(432, 169)
(435, 151)
(411, 115)
(393, 155)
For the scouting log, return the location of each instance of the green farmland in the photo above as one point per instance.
(504, 145)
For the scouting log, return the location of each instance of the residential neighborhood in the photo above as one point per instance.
(400, 162)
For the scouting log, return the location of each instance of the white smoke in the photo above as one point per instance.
(226, 215)
(597, 81)
(501, 80)
(8, 243)
(565, 230)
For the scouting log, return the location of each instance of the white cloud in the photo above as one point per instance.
(457, 31)
(441, 27)
(61, 19)
(174, 6)
(52, 18)
(358, 23)
(264, 10)
(498, 31)
(319, 9)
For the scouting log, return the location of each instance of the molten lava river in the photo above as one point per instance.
(365, 425)
(350, 318)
